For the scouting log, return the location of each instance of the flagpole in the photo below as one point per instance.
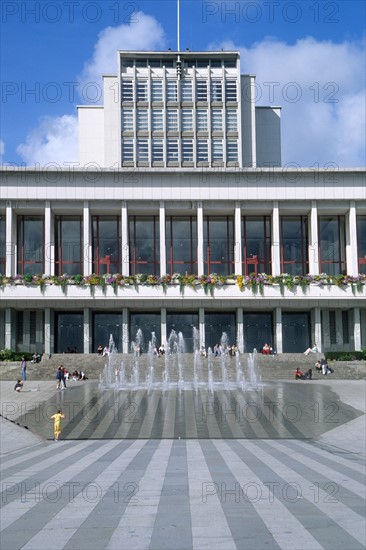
(178, 25)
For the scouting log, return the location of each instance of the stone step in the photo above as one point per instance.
(270, 368)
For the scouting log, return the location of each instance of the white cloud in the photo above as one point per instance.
(327, 123)
(144, 32)
(55, 140)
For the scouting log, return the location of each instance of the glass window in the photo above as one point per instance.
(150, 326)
(30, 245)
(2, 245)
(231, 150)
(231, 120)
(332, 245)
(144, 245)
(172, 120)
(295, 332)
(201, 90)
(202, 150)
(172, 150)
(171, 90)
(157, 120)
(218, 238)
(106, 244)
(215, 63)
(142, 150)
(258, 330)
(68, 245)
(361, 243)
(127, 90)
(142, 120)
(69, 332)
(216, 120)
(157, 150)
(230, 90)
(256, 244)
(187, 150)
(127, 120)
(230, 63)
(184, 323)
(216, 324)
(181, 245)
(216, 90)
(127, 150)
(186, 90)
(202, 122)
(156, 90)
(187, 120)
(142, 90)
(104, 325)
(217, 150)
(294, 245)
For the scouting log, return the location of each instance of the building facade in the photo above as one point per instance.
(180, 175)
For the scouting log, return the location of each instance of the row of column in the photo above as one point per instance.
(351, 240)
(9, 324)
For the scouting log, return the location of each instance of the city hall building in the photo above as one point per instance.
(180, 215)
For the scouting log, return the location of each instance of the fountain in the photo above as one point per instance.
(170, 371)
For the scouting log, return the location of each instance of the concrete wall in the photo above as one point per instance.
(91, 135)
(268, 136)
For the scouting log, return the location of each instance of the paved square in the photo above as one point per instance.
(225, 491)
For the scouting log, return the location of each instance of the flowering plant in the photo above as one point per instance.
(208, 282)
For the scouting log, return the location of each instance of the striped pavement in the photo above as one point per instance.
(282, 467)
(171, 493)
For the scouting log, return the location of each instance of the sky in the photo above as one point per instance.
(308, 58)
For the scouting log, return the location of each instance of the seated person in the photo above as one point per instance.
(318, 367)
(18, 386)
(203, 352)
(75, 375)
(82, 375)
(100, 350)
(266, 350)
(298, 374)
(35, 357)
(161, 350)
(216, 350)
(309, 374)
(313, 349)
(234, 350)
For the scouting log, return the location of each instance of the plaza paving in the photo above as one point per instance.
(278, 468)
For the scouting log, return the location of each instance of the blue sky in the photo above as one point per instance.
(309, 57)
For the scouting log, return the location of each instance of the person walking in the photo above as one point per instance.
(59, 374)
(57, 424)
(24, 369)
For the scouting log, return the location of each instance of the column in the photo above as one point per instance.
(125, 336)
(278, 330)
(87, 331)
(351, 241)
(8, 329)
(357, 329)
(238, 241)
(201, 323)
(275, 245)
(239, 329)
(125, 252)
(326, 330)
(313, 240)
(48, 337)
(163, 325)
(200, 266)
(49, 266)
(87, 240)
(162, 239)
(10, 247)
(317, 337)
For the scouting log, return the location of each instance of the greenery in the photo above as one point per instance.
(10, 355)
(254, 282)
(346, 355)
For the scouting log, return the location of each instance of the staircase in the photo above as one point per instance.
(278, 367)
